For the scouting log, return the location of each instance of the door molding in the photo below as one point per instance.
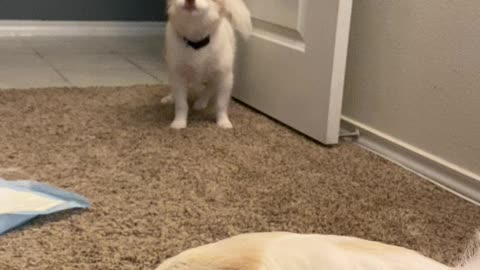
(448, 176)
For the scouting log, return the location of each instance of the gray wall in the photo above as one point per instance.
(91, 10)
(414, 74)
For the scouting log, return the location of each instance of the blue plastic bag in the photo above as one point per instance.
(21, 201)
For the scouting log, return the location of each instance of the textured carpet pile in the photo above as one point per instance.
(155, 191)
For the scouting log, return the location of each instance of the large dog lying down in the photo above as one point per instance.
(289, 251)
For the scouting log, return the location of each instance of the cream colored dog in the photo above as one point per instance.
(200, 52)
(288, 251)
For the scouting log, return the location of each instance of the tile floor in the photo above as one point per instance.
(34, 62)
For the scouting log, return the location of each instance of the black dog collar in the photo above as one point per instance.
(197, 45)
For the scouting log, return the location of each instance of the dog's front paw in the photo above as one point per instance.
(224, 123)
(167, 99)
(179, 124)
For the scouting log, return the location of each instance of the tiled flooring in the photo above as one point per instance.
(35, 62)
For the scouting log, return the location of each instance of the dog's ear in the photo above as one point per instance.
(170, 3)
(233, 256)
(169, 9)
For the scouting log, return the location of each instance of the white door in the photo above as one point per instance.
(293, 68)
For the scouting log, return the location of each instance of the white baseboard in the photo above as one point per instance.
(79, 28)
(449, 176)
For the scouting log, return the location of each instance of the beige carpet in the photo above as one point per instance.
(156, 191)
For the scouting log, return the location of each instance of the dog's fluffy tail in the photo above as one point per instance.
(471, 260)
(239, 16)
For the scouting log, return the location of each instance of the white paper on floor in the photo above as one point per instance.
(21, 201)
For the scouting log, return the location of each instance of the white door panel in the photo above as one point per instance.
(281, 12)
(293, 67)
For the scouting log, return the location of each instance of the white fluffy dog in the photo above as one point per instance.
(289, 251)
(200, 52)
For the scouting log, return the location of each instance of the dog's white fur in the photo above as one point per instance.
(208, 72)
(289, 251)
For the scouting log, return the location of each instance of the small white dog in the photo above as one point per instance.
(289, 251)
(200, 53)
